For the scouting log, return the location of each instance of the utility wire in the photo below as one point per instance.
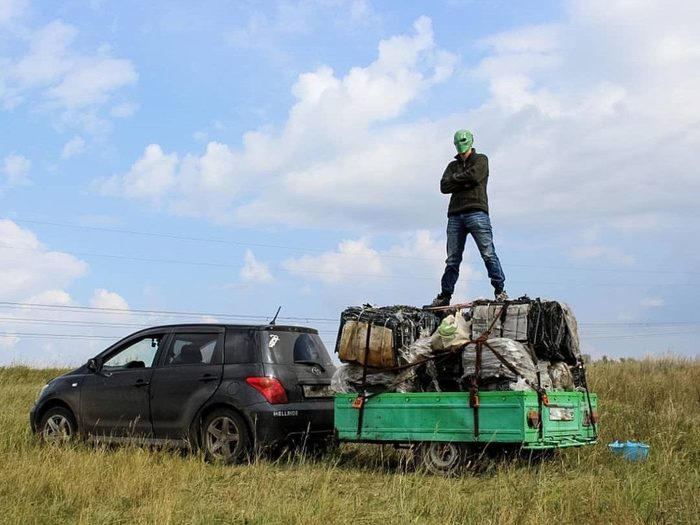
(321, 272)
(95, 309)
(308, 249)
(174, 313)
(118, 337)
(593, 328)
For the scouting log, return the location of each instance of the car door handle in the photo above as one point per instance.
(141, 382)
(208, 377)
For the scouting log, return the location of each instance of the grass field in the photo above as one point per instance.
(655, 401)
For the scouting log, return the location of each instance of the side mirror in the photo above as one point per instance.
(93, 365)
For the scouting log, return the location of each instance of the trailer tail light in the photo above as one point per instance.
(533, 418)
(270, 388)
(589, 420)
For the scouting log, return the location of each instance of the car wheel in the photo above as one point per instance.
(442, 458)
(225, 438)
(57, 426)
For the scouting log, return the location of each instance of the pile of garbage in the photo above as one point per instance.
(515, 345)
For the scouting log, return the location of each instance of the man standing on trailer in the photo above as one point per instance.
(465, 178)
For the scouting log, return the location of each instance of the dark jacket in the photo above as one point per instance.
(466, 181)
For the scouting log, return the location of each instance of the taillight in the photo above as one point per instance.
(533, 419)
(589, 419)
(270, 387)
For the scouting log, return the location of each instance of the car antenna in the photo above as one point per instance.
(275, 317)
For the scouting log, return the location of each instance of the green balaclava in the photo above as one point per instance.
(463, 140)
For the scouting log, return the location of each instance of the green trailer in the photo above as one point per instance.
(446, 429)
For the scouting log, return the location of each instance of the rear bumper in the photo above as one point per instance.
(274, 424)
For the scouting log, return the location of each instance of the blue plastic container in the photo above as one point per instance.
(616, 448)
(630, 450)
(635, 451)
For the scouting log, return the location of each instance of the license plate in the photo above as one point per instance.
(561, 414)
(318, 391)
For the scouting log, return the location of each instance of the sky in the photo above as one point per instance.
(211, 161)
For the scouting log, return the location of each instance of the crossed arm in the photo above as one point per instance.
(462, 179)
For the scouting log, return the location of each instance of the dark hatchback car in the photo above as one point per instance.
(229, 389)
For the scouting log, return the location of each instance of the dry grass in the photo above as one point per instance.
(656, 401)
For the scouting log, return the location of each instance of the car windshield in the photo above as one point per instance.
(286, 347)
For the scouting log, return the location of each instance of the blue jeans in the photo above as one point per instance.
(478, 224)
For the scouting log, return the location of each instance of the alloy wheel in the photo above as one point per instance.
(222, 438)
(57, 429)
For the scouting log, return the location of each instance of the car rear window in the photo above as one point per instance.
(286, 347)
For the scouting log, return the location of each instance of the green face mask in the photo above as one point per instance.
(463, 140)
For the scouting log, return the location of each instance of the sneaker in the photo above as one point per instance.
(441, 300)
(501, 296)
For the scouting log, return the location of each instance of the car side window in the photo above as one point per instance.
(137, 354)
(194, 349)
(241, 346)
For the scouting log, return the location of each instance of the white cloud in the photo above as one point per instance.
(150, 177)
(27, 267)
(73, 147)
(268, 29)
(254, 270)
(52, 297)
(592, 118)
(15, 168)
(408, 270)
(653, 302)
(103, 298)
(125, 110)
(10, 10)
(54, 75)
(602, 252)
(210, 181)
(337, 158)
(41, 325)
(352, 258)
(595, 123)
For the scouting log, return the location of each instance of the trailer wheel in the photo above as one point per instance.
(442, 458)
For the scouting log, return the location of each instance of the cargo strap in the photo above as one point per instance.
(474, 391)
(588, 399)
(362, 397)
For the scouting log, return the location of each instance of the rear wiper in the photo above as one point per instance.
(312, 363)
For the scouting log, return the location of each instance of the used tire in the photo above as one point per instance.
(442, 458)
(57, 426)
(225, 437)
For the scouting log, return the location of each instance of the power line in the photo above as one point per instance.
(175, 313)
(202, 239)
(638, 336)
(59, 336)
(73, 323)
(301, 249)
(321, 272)
(221, 265)
(88, 337)
(594, 328)
(126, 311)
(92, 324)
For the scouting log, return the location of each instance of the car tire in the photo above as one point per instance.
(57, 426)
(442, 458)
(225, 438)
